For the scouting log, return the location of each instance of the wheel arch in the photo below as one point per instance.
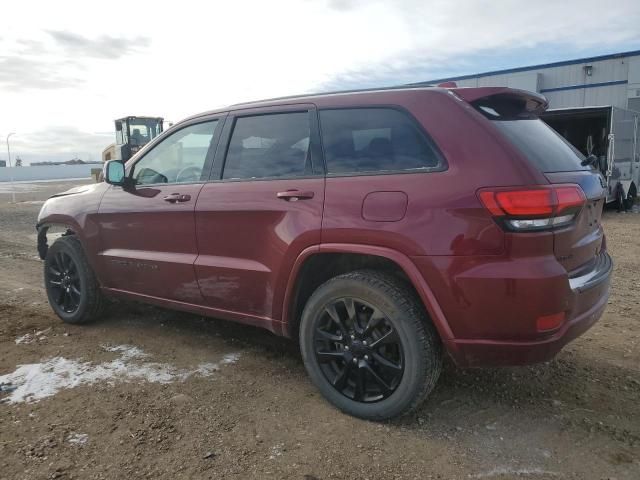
(69, 226)
(299, 288)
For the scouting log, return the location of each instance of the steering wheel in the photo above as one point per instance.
(193, 169)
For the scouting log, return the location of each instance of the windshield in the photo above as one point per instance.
(142, 131)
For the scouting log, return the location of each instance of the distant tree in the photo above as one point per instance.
(18, 162)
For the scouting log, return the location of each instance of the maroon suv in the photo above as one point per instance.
(378, 227)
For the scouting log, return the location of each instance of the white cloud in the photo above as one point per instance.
(71, 67)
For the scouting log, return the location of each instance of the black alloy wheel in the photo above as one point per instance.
(64, 282)
(72, 288)
(358, 350)
(369, 346)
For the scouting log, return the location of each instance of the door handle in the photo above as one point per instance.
(177, 197)
(294, 195)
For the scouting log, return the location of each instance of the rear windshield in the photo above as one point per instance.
(542, 145)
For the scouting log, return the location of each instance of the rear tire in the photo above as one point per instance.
(631, 197)
(620, 200)
(355, 361)
(72, 288)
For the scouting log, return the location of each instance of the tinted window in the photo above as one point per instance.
(275, 145)
(179, 158)
(542, 145)
(374, 139)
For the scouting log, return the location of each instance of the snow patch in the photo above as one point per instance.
(78, 439)
(35, 381)
(276, 451)
(514, 472)
(127, 352)
(230, 358)
(32, 337)
(26, 338)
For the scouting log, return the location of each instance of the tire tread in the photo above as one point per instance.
(95, 303)
(426, 334)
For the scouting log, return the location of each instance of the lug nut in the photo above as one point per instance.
(355, 360)
(366, 357)
(346, 347)
(364, 342)
(353, 337)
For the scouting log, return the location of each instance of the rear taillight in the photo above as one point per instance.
(534, 208)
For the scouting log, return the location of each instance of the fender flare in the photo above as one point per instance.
(404, 262)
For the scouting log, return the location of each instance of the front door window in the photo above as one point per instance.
(180, 158)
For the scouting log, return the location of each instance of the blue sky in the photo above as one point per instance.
(541, 54)
(479, 62)
(65, 78)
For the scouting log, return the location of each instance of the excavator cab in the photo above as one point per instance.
(132, 133)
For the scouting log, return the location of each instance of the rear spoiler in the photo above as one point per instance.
(528, 102)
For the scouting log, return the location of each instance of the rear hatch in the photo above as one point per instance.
(514, 113)
(578, 245)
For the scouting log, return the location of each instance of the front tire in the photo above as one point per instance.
(72, 288)
(368, 345)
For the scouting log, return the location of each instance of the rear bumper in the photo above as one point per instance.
(584, 298)
(601, 272)
(485, 353)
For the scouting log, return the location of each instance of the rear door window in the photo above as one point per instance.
(269, 146)
(375, 140)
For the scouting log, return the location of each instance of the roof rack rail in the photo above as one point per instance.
(337, 92)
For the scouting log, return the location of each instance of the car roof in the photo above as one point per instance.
(325, 99)
(378, 96)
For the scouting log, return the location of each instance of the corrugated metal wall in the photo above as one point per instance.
(571, 85)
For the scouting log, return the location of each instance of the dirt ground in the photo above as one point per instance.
(159, 394)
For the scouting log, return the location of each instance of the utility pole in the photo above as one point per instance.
(13, 190)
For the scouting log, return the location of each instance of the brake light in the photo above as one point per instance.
(536, 208)
(569, 197)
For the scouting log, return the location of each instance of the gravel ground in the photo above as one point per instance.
(149, 393)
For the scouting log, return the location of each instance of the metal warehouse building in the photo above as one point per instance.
(604, 80)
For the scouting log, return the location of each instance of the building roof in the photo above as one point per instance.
(563, 63)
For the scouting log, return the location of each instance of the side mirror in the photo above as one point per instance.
(114, 173)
